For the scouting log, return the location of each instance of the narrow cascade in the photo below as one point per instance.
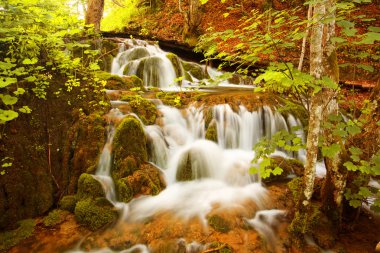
(103, 171)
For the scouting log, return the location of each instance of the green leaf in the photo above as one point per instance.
(8, 115)
(19, 91)
(30, 79)
(353, 130)
(331, 151)
(368, 68)
(94, 66)
(28, 61)
(265, 163)
(253, 170)
(277, 171)
(2, 172)
(6, 81)
(25, 109)
(365, 192)
(6, 165)
(350, 166)
(355, 203)
(355, 151)
(9, 100)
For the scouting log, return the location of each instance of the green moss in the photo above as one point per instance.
(95, 213)
(219, 223)
(124, 190)
(68, 203)
(88, 186)
(295, 187)
(55, 217)
(305, 221)
(129, 140)
(145, 109)
(11, 238)
(195, 70)
(211, 132)
(208, 116)
(174, 59)
(126, 167)
(170, 98)
(184, 171)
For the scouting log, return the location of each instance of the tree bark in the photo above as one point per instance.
(336, 176)
(192, 18)
(94, 13)
(316, 107)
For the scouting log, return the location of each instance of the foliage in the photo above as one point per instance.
(39, 43)
(287, 141)
(361, 162)
(116, 17)
(275, 37)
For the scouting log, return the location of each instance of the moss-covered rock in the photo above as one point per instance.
(219, 223)
(124, 190)
(126, 167)
(129, 140)
(95, 213)
(144, 108)
(115, 82)
(178, 68)
(212, 132)
(68, 203)
(13, 237)
(88, 186)
(54, 217)
(195, 70)
(147, 180)
(188, 169)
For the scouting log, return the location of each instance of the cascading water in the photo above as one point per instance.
(202, 176)
(146, 61)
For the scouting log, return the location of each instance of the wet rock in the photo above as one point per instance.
(211, 132)
(129, 140)
(95, 213)
(115, 82)
(195, 70)
(179, 70)
(68, 203)
(143, 108)
(188, 170)
(147, 180)
(88, 187)
(124, 190)
(219, 223)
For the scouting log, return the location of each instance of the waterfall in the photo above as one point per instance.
(202, 176)
(146, 61)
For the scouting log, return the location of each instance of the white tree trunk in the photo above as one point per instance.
(316, 107)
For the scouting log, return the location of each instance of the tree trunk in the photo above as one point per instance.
(316, 107)
(94, 13)
(335, 181)
(192, 18)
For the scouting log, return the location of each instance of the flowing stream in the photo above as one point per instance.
(219, 170)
